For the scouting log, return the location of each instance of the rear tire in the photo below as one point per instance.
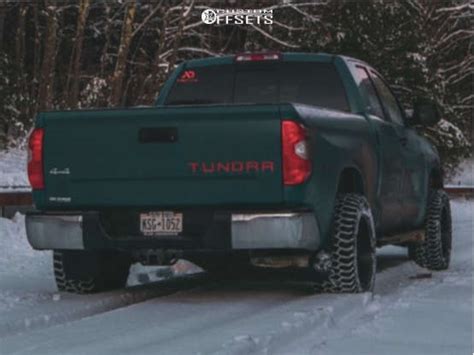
(353, 260)
(81, 272)
(434, 253)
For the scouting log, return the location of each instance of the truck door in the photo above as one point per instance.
(389, 205)
(415, 181)
(405, 143)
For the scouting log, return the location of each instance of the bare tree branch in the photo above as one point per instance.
(274, 39)
(146, 19)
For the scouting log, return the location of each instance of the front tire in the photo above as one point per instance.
(81, 272)
(434, 253)
(353, 260)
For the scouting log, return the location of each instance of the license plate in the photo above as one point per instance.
(160, 223)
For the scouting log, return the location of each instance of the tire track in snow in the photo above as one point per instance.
(320, 315)
(81, 306)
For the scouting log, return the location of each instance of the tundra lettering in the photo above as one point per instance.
(231, 167)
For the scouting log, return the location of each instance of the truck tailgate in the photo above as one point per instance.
(168, 156)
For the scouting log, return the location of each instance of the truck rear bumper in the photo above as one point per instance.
(54, 232)
(281, 231)
(297, 230)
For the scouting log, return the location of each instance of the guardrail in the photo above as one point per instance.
(15, 198)
(460, 190)
(24, 198)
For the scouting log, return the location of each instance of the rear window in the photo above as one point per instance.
(309, 83)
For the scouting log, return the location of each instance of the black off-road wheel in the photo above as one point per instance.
(81, 272)
(434, 253)
(353, 259)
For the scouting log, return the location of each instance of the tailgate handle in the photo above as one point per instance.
(158, 135)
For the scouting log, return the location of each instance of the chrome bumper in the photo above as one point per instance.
(275, 231)
(248, 231)
(54, 232)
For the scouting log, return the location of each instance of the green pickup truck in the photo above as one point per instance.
(284, 160)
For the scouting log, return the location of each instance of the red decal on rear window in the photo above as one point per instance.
(188, 76)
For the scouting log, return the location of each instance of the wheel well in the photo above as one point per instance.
(436, 179)
(350, 180)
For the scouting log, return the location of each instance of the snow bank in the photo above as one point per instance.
(13, 168)
(465, 175)
(15, 249)
(25, 274)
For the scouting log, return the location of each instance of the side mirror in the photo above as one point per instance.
(425, 112)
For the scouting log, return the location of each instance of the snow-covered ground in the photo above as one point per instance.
(411, 311)
(28, 296)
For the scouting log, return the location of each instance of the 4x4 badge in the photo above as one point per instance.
(56, 171)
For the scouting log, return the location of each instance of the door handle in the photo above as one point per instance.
(158, 135)
(403, 140)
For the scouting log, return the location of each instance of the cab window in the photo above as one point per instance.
(389, 102)
(368, 92)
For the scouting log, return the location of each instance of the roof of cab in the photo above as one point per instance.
(290, 57)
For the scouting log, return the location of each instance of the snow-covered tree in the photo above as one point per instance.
(422, 47)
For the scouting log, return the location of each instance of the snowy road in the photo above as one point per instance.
(411, 311)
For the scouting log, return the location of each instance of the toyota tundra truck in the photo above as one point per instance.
(290, 160)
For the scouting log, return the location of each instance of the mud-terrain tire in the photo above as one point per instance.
(353, 259)
(434, 253)
(81, 272)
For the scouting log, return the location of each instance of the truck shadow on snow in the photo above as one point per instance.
(387, 261)
(254, 278)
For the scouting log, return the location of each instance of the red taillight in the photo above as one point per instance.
(294, 145)
(35, 159)
(256, 57)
